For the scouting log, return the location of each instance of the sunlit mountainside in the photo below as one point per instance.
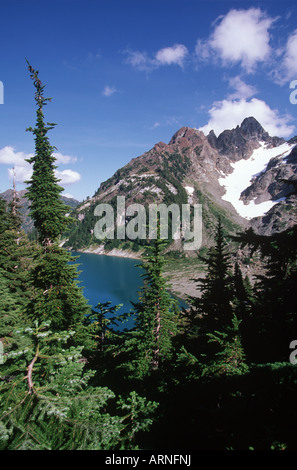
(244, 176)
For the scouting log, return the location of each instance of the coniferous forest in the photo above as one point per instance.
(220, 375)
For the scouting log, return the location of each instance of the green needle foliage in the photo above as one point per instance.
(47, 402)
(72, 378)
(230, 358)
(273, 313)
(214, 307)
(15, 253)
(150, 342)
(47, 209)
(9, 310)
(56, 296)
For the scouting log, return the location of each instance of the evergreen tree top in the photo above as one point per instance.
(47, 209)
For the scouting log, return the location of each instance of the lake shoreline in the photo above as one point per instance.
(182, 287)
(99, 250)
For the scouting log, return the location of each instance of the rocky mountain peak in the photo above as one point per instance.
(250, 127)
(187, 136)
(195, 168)
(241, 141)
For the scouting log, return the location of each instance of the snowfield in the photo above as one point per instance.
(244, 171)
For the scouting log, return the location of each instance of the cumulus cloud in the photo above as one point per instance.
(9, 156)
(173, 55)
(241, 36)
(227, 114)
(67, 177)
(21, 170)
(20, 173)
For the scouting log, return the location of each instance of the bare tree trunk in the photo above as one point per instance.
(156, 352)
(30, 370)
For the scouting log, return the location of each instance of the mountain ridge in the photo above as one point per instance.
(192, 167)
(242, 170)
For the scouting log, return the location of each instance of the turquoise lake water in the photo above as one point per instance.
(110, 278)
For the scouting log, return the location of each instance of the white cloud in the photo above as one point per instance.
(227, 114)
(67, 177)
(9, 156)
(70, 196)
(242, 89)
(139, 60)
(109, 91)
(21, 173)
(22, 170)
(64, 159)
(290, 58)
(240, 37)
(172, 55)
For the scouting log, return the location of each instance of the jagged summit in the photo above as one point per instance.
(249, 131)
(237, 175)
(186, 134)
(250, 127)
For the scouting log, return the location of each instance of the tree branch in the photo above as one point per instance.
(30, 370)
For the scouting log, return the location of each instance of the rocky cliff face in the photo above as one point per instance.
(278, 184)
(216, 172)
(240, 142)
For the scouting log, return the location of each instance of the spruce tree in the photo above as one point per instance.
(273, 314)
(48, 403)
(10, 310)
(156, 315)
(47, 209)
(6, 236)
(229, 358)
(214, 304)
(15, 252)
(56, 296)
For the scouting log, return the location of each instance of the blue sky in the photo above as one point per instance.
(124, 75)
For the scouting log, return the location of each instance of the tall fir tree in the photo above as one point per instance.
(214, 304)
(229, 358)
(48, 403)
(273, 314)
(46, 209)
(150, 342)
(215, 316)
(57, 296)
(15, 251)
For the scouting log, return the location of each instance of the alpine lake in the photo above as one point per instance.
(111, 279)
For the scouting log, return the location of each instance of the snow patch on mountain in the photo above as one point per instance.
(190, 192)
(243, 172)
